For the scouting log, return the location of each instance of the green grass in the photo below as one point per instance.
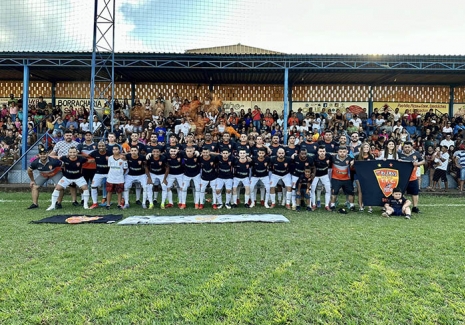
(321, 268)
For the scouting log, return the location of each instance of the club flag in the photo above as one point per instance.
(378, 178)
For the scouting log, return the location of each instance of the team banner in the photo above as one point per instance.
(217, 218)
(73, 219)
(378, 178)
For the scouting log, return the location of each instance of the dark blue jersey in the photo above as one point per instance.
(175, 164)
(157, 167)
(101, 161)
(278, 167)
(241, 168)
(136, 166)
(304, 182)
(72, 169)
(191, 165)
(260, 167)
(225, 167)
(300, 165)
(208, 168)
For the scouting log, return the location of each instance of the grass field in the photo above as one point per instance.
(321, 268)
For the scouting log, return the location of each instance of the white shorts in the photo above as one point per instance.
(65, 182)
(129, 180)
(99, 180)
(287, 180)
(158, 180)
(294, 180)
(226, 182)
(204, 184)
(186, 181)
(244, 181)
(171, 178)
(265, 180)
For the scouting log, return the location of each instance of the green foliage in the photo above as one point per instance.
(321, 268)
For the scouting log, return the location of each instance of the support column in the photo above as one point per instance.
(133, 93)
(451, 101)
(54, 89)
(25, 113)
(370, 101)
(286, 102)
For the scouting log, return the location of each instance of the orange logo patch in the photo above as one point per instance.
(388, 179)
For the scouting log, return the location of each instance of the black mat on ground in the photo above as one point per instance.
(81, 218)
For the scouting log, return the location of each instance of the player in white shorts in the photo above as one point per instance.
(137, 172)
(225, 178)
(191, 174)
(260, 173)
(72, 174)
(279, 167)
(175, 173)
(158, 169)
(242, 167)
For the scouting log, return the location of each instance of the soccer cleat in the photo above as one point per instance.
(407, 216)
(361, 209)
(169, 205)
(313, 207)
(144, 206)
(233, 206)
(33, 206)
(179, 205)
(200, 206)
(151, 206)
(318, 204)
(94, 206)
(76, 204)
(103, 203)
(122, 202)
(262, 202)
(155, 202)
(215, 207)
(219, 206)
(126, 206)
(352, 208)
(50, 208)
(86, 207)
(370, 210)
(385, 214)
(309, 209)
(162, 206)
(272, 205)
(251, 205)
(288, 206)
(266, 205)
(415, 210)
(327, 208)
(119, 207)
(228, 206)
(294, 208)
(238, 201)
(58, 206)
(196, 206)
(138, 202)
(182, 207)
(246, 205)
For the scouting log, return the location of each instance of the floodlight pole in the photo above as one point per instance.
(286, 102)
(103, 56)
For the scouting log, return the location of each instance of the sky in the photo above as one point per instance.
(291, 26)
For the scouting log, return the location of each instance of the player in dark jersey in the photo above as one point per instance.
(291, 148)
(100, 158)
(49, 169)
(72, 173)
(397, 205)
(279, 167)
(225, 179)
(321, 166)
(241, 176)
(329, 143)
(309, 144)
(137, 172)
(134, 142)
(158, 172)
(303, 190)
(244, 144)
(300, 162)
(208, 175)
(176, 173)
(191, 174)
(275, 146)
(228, 144)
(260, 173)
(212, 146)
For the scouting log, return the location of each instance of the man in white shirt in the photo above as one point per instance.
(447, 141)
(357, 121)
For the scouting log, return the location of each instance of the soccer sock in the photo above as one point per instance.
(196, 196)
(288, 197)
(219, 199)
(228, 198)
(126, 196)
(262, 193)
(55, 195)
(94, 195)
(280, 196)
(246, 198)
(138, 190)
(150, 193)
(294, 202)
(85, 195)
(234, 198)
(318, 195)
(164, 193)
(202, 197)
(183, 196)
(253, 193)
(104, 190)
(273, 198)
(170, 196)
(327, 198)
(155, 195)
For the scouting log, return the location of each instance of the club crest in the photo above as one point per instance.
(388, 179)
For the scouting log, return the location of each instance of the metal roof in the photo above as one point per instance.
(242, 68)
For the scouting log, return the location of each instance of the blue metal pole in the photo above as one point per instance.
(451, 101)
(92, 75)
(25, 113)
(286, 102)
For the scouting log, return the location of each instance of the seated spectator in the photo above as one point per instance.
(411, 129)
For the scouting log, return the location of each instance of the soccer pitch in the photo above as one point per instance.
(321, 268)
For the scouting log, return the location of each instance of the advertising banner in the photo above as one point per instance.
(423, 108)
(316, 107)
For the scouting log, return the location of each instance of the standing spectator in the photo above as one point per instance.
(257, 118)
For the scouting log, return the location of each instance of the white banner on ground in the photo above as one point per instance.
(225, 218)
